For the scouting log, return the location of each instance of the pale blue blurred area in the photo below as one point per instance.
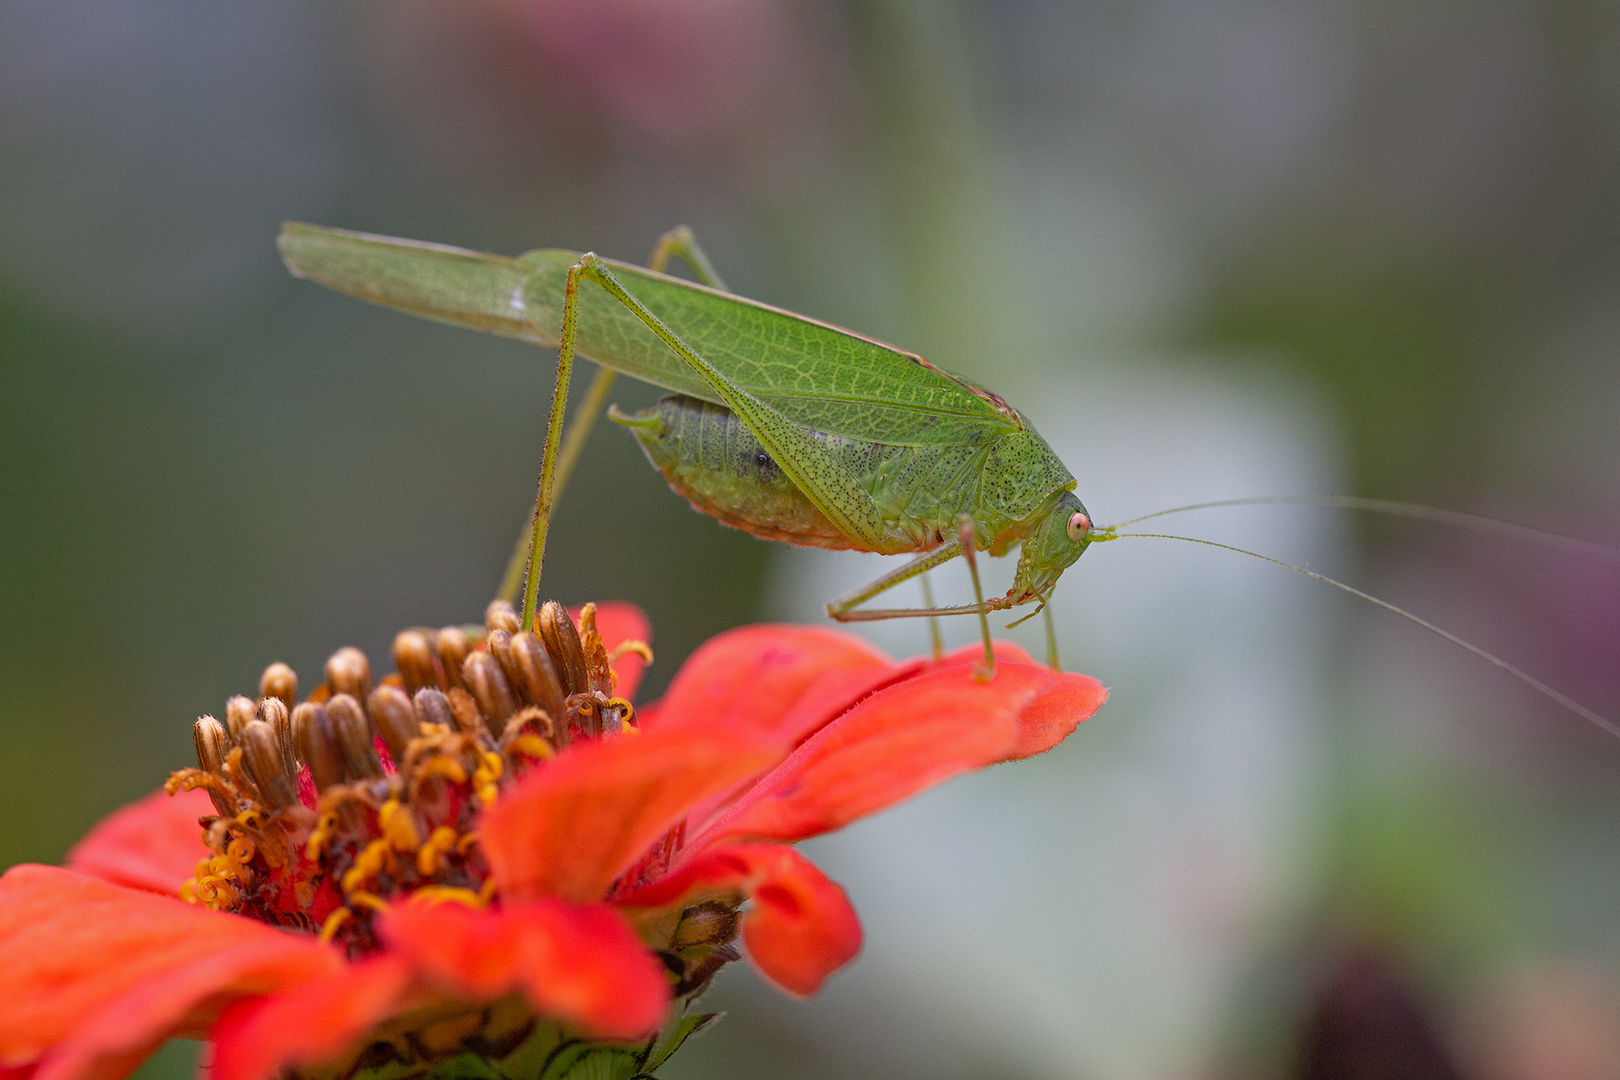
(1213, 249)
(1102, 903)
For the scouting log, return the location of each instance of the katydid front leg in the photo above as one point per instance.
(680, 242)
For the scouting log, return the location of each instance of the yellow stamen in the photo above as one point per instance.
(484, 779)
(215, 892)
(334, 921)
(487, 892)
(467, 842)
(397, 827)
(447, 767)
(364, 899)
(366, 866)
(534, 746)
(629, 712)
(640, 648)
(448, 894)
(192, 779)
(432, 853)
(320, 837)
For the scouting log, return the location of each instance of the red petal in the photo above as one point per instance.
(619, 622)
(152, 844)
(308, 1024)
(782, 679)
(1053, 715)
(582, 964)
(906, 738)
(103, 974)
(785, 680)
(801, 927)
(570, 828)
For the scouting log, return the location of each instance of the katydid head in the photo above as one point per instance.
(1060, 538)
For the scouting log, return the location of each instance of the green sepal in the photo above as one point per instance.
(673, 1036)
(592, 1061)
(465, 1067)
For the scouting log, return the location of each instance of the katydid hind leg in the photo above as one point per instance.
(573, 445)
(546, 497)
(987, 669)
(681, 242)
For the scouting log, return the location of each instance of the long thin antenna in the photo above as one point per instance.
(1529, 680)
(1409, 510)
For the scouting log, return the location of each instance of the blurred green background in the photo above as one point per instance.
(1401, 221)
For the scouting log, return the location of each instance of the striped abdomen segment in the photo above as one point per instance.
(709, 456)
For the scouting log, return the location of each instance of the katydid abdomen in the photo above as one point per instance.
(712, 458)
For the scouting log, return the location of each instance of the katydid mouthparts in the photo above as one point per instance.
(786, 427)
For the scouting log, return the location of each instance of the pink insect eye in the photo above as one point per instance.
(1079, 526)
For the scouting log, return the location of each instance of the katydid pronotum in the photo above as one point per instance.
(786, 427)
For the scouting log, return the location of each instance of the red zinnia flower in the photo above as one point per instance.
(512, 855)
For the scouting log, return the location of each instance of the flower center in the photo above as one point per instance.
(332, 808)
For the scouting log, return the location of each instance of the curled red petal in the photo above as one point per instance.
(619, 622)
(777, 678)
(800, 928)
(569, 829)
(306, 1025)
(579, 963)
(94, 973)
(904, 739)
(151, 844)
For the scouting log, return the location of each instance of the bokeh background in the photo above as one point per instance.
(1214, 248)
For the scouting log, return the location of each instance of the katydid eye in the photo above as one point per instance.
(1079, 526)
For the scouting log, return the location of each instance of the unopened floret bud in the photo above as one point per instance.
(317, 745)
(349, 672)
(280, 681)
(500, 615)
(452, 646)
(413, 656)
(261, 755)
(395, 719)
(353, 738)
(562, 642)
(487, 684)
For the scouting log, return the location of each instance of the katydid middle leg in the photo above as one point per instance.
(679, 242)
(987, 669)
(847, 608)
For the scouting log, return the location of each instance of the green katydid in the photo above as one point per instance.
(787, 427)
(780, 425)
